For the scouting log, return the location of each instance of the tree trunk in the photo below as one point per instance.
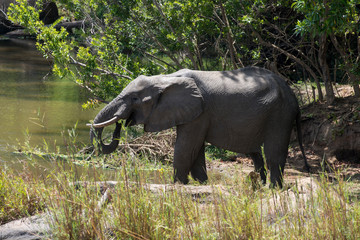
(354, 80)
(356, 89)
(236, 61)
(323, 46)
(355, 83)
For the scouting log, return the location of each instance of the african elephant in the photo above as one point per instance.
(235, 110)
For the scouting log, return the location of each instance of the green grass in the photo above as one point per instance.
(234, 211)
(20, 195)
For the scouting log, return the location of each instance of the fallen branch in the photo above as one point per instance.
(154, 188)
(71, 25)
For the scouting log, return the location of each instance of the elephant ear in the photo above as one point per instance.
(179, 101)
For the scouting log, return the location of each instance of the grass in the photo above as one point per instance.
(20, 196)
(232, 207)
(234, 211)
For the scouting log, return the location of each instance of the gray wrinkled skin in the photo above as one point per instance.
(236, 110)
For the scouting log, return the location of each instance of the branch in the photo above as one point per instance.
(160, 60)
(293, 57)
(345, 56)
(288, 43)
(161, 46)
(230, 39)
(70, 25)
(73, 61)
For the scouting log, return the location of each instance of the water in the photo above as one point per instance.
(30, 102)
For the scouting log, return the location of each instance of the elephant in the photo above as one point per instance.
(240, 110)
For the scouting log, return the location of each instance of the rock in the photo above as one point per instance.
(49, 13)
(35, 227)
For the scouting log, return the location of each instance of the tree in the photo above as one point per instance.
(272, 25)
(332, 20)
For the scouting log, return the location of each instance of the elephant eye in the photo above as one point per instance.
(135, 100)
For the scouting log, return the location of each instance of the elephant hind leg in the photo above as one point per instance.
(276, 150)
(259, 165)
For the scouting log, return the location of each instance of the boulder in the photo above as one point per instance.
(49, 13)
(35, 227)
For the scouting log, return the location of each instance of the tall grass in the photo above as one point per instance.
(20, 195)
(234, 209)
(322, 210)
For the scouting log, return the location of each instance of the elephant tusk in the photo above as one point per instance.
(104, 124)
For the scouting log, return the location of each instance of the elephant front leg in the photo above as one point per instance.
(189, 159)
(198, 170)
(181, 172)
(189, 155)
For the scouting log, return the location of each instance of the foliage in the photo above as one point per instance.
(96, 66)
(339, 20)
(320, 16)
(121, 41)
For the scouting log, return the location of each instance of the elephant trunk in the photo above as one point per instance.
(96, 133)
(110, 114)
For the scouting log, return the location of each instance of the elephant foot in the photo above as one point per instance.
(263, 177)
(181, 177)
(276, 183)
(199, 175)
(183, 181)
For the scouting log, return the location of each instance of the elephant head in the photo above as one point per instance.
(158, 102)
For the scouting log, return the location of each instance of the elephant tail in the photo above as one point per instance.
(299, 137)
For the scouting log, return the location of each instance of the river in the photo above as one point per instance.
(33, 100)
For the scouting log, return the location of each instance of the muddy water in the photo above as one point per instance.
(33, 101)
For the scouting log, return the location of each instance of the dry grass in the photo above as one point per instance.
(313, 208)
(231, 208)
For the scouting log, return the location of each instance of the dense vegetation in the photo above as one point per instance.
(316, 41)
